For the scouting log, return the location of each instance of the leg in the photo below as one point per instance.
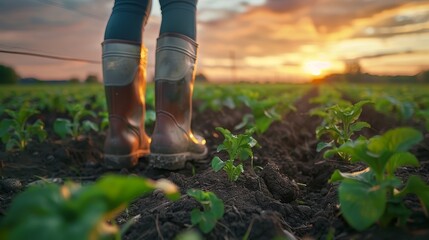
(124, 74)
(173, 143)
(179, 16)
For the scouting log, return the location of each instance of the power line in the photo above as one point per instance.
(50, 56)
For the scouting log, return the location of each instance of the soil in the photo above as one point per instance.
(290, 196)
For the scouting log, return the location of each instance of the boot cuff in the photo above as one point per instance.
(112, 48)
(177, 42)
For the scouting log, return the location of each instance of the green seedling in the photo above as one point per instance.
(239, 148)
(16, 132)
(150, 117)
(402, 109)
(71, 211)
(340, 124)
(264, 113)
(376, 194)
(213, 210)
(76, 127)
(216, 99)
(104, 123)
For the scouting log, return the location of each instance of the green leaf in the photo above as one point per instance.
(229, 102)
(245, 153)
(88, 126)
(332, 131)
(364, 176)
(323, 145)
(252, 142)
(217, 205)
(401, 159)
(11, 113)
(402, 139)
(150, 117)
(263, 123)
(5, 126)
(225, 132)
(357, 109)
(221, 147)
(38, 130)
(407, 110)
(11, 144)
(417, 186)
(247, 119)
(189, 235)
(237, 171)
(361, 204)
(196, 216)
(197, 194)
(207, 222)
(377, 145)
(217, 164)
(63, 127)
(357, 126)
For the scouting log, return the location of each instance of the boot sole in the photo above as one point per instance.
(123, 161)
(175, 161)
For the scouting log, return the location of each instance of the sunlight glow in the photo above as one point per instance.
(316, 68)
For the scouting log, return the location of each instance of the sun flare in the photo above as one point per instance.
(316, 68)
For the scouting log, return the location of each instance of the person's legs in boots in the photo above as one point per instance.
(173, 143)
(124, 74)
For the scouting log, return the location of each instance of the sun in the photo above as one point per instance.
(316, 68)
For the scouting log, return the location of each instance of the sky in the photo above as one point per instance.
(254, 40)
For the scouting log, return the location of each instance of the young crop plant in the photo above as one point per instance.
(16, 131)
(340, 124)
(239, 148)
(376, 194)
(213, 210)
(264, 113)
(76, 127)
(71, 211)
(402, 108)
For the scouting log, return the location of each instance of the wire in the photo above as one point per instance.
(50, 56)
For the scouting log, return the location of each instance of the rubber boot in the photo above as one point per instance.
(124, 72)
(173, 143)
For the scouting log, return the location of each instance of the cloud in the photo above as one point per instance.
(265, 36)
(49, 14)
(288, 5)
(406, 20)
(329, 15)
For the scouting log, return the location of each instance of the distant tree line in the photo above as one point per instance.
(8, 75)
(353, 73)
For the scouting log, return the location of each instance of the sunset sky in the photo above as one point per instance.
(266, 40)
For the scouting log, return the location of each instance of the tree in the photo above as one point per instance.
(74, 80)
(353, 67)
(92, 78)
(423, 76)
(8, 75)
(201, 77)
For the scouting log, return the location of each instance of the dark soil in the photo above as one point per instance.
(291, 196)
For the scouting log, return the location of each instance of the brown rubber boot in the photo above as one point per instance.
(173, 143)
(124, 71)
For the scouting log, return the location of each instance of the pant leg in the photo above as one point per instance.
(179, 16)
(127, 20)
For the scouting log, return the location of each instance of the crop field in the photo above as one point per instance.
(285, 162)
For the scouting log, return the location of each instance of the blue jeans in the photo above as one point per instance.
(129, 18)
